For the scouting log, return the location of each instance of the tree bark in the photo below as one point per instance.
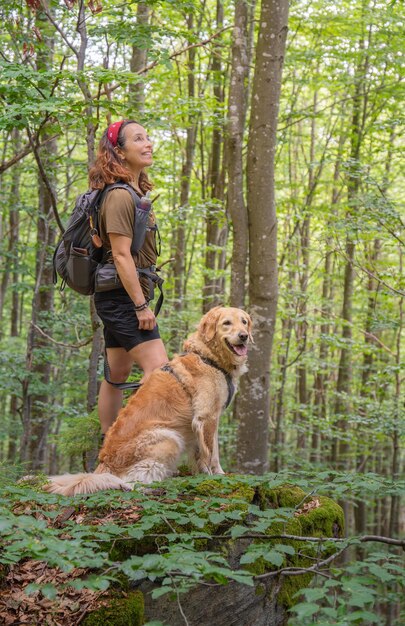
(187, 164)
(36, 420)
(139, 58)
(235, 129)
(253, 408)
(215, 213)
(340, 448)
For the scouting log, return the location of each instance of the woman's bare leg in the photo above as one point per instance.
(148, 356)
(110, 398)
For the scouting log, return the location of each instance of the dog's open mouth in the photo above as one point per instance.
(239, 349)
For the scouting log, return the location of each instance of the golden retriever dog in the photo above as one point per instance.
(176, 410)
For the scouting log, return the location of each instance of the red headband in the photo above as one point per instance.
(113, 131)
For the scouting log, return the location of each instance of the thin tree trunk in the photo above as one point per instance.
(214, 208)
(188, 160)
(36, 420)
(236, 124)
(139, 58)
(320, 382)
(340, 448)
(11, 261)
(398, 411)
(254, 405)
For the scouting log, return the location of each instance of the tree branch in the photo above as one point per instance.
(147, 68)
(80, 344)
(45, 179)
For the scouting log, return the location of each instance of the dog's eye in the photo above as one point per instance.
(227, 323)
(244, 322)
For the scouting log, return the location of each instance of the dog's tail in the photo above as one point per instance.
(75, 484)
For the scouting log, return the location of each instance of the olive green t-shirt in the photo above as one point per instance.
(117, 216)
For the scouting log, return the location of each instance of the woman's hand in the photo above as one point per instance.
(147, 319)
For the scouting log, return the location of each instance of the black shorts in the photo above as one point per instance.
(121, 326)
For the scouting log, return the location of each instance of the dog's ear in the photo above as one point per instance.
(208, 325)
(250, 326)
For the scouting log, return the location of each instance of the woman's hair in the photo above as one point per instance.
(109, 167)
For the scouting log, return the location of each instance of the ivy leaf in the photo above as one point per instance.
(363, 617)
(305, 609)
(135, 532)
(216, 518)
(199, 522)
(160, 591)
(48, 590)
(238, 531)
(274, 557)
(285, 548)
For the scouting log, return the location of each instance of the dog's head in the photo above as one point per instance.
(229, 330)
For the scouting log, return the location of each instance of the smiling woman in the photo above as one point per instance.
(130, 331)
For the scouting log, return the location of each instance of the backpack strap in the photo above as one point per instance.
(154, 280)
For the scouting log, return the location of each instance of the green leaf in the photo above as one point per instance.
(363, 617)
(161, 591)
(305, 609)
(238, 531)
(273, 557)
(285, 548)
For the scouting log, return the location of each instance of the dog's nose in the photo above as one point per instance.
(243, 336)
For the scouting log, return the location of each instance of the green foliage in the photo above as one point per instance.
(348, 595)
(178, 535)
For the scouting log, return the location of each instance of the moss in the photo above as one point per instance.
(290, 586)
(237, 490)
(260, 590)
(327, 520)
(128, 611)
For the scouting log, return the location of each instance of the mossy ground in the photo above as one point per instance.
(126, 611)
(199, 510)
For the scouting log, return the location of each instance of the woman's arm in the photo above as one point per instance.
(124, 262)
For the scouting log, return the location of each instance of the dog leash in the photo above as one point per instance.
(107, 376)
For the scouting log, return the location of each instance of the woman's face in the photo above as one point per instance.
(137, 150)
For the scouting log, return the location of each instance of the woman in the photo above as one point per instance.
(130, 331)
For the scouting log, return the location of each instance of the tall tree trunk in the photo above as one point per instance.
(236, 123)
(36, 420)
(253, 408)
(14, 225)
(398, 412)
(215, 213)
(188, 160)
(11, 261)
(138, 59)
(340, 448)
(320, 381)
(97, 345)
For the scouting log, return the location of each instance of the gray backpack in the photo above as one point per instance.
(78, 257)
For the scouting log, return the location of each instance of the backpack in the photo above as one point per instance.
(79, 253)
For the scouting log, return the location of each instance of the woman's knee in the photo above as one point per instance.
(119, 372)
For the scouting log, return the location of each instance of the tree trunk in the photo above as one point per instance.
(340, 448)
(188, 160)
(320, 382)
(215, 213)
(138, 60)
(236, 124)
(11, 261)
(36, 421)
(253, 407)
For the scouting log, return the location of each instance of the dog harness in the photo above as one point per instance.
(211, 363)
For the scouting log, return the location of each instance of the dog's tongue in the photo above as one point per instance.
(240, 350)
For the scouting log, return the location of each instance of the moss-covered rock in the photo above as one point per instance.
(126, 611)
